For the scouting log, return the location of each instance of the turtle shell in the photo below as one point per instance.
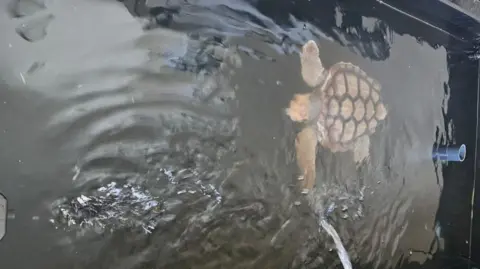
(351, 106)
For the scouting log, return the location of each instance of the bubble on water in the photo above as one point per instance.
(171, 204)
(35, 67)
(21, 8)
(35, 29)
(168, 218)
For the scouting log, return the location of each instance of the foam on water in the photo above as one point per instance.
(120, 205)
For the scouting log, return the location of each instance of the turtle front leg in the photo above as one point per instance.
(299, 107)
(361, 150)
(306, 150)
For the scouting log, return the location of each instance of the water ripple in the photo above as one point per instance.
(184, 158)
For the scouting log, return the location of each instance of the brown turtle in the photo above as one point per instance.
(344, 108)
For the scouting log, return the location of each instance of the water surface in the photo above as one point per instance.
(129, 144)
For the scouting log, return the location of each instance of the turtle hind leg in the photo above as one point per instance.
(308, 180)
(306, 150)
(361, 150)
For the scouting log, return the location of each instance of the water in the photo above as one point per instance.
(130, 145)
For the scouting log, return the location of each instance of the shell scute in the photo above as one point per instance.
(353, 104)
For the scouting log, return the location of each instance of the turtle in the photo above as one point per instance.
(340, 114)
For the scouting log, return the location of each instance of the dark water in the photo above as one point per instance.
(159, 141)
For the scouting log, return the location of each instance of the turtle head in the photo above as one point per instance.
(299, 108)
(312, 67)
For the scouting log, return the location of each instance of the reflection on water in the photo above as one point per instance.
(181, 153)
